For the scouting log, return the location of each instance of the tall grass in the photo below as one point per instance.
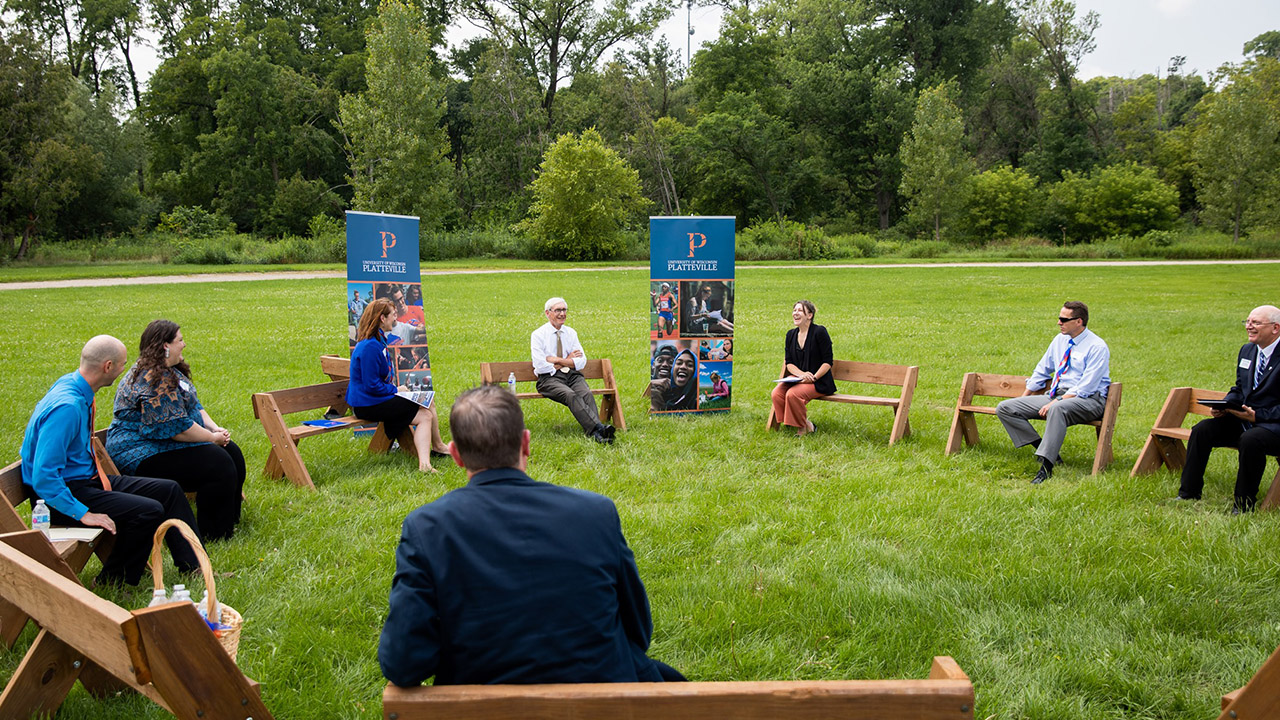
(765, 557)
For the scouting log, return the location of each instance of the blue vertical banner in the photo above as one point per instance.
(383, 262)
(691, 296)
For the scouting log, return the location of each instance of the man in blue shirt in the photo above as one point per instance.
(58, 467)
(1069, 387)
(510, 580)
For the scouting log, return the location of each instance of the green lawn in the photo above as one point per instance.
(765, 557)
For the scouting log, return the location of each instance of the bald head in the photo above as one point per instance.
(1263, 325)
(102, 360)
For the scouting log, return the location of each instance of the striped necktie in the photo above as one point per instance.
(102, 476)
(1262, 369)
(1062, 367)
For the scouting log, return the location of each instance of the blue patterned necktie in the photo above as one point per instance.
(1262, 368)
(1062, 367)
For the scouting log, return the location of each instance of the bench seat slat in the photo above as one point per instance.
(1183, 434)
(860, 399)
(919, 699)
(349, 422)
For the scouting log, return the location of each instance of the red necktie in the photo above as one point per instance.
(102, 476)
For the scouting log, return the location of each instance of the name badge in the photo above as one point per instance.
(186, 387)
(1245, 363)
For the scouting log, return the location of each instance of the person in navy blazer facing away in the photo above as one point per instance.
(1255, 428)
(510, 580)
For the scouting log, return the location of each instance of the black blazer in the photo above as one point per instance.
(1264, 399)
(816, 351)
(510, 580)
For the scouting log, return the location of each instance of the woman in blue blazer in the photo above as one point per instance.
(371, 392)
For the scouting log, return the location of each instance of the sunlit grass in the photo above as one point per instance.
(765, 557)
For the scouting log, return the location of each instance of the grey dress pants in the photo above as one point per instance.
(1015, 412)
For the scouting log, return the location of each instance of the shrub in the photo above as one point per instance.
(220, 250)
(296, 202)
(783, 240)
(1002, 203)
(584, 196)
(927, 249)
(193, 221)
(1124, 199)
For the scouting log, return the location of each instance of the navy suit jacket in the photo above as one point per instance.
(1264, 399)
(510, 580)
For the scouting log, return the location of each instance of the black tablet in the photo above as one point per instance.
(1223, 404)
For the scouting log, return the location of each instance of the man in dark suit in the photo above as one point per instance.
(1255, 428)
(510, 580)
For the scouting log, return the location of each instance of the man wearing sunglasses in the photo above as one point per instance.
(1069, 387)
(1254, 429)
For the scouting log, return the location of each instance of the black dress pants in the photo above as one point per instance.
(137, 505)
(214, 473)
(1254, 444)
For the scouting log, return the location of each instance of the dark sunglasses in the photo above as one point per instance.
(1064, 321)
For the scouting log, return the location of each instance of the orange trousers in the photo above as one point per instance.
(789, 400)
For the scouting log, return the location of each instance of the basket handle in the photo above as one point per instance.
(157, 565)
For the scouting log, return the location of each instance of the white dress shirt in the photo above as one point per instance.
(542, 344)
(1088, 372)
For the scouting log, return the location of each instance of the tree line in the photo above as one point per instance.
(955, 120)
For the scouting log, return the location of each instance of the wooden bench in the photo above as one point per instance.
(947, 694)
(166, 653)
(899, 376)
(497, 373)
(1010, 386)
(1166, 443)
(75, 553)
(284, 460)
(1259, 698)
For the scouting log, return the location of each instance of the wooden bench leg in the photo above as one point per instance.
(1149, 460)
(611, 411)
(1172, 452)
(963, 426)
(191, 671)
(42, 681)
(1272, 499)
(901, 425)
(273, 469)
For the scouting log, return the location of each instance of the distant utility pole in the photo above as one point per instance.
(688, 43)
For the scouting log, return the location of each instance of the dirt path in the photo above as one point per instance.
(335, 274)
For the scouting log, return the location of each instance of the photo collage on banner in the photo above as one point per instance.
(691, 300)
(383, 262)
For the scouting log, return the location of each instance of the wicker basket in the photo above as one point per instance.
(230, 638)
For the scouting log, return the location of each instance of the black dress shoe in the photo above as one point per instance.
(1242, 505)
(600, 438)
(435, 453)
(1187, 497)
(1045, 472)
(608, 431)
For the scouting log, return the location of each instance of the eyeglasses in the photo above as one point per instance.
(1252, 323)
(560, 311)
(1064, 321)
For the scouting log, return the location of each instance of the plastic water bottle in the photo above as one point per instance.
(203, 608)
(511, 383)
(180, 594)
(40, 517)
(158, 597)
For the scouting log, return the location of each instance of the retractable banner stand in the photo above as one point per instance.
(383, 262)
(691, 276)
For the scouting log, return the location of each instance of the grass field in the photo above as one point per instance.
(765, 557)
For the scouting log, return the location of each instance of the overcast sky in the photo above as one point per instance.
(1135, 36)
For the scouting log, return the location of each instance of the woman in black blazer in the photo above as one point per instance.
(809, 361)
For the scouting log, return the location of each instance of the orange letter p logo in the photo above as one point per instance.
(387, 246)
(693, 242)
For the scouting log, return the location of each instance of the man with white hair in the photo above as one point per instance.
(557, 361)
(1251, 420)
(59, 467)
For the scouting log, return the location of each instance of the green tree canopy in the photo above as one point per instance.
(936, 166)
